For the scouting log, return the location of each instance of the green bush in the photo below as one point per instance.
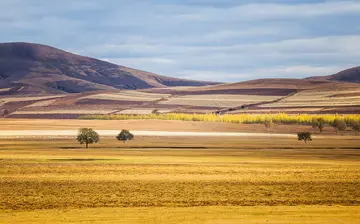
(124, 136)
(304, 136)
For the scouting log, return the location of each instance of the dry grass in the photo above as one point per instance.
(198, 215)
(180, 180)
(59, 175)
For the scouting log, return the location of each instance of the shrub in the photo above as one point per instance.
(87, 136)
(318, 123)
(124, 136)
(339, 124)
(304, 136)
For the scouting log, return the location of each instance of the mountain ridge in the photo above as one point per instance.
(28, 68)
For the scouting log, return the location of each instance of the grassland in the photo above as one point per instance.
(159, 180)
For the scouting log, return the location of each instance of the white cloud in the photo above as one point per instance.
(212, 40)
(272, 11)
(301, 71)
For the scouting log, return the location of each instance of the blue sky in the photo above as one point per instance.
(215, 40)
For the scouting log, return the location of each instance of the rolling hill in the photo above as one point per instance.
(27, 68)
(348, 75)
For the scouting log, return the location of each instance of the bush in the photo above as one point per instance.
(318, 123)
(339, 124)
(304, 136)
(87, 136)
(124, 136)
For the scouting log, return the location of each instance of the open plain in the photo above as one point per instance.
(180, 179)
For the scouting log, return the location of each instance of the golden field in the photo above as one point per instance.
(180, 180)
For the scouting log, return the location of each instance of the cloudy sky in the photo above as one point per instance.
(216, 40)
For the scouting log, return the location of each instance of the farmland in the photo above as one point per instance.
(206, 178)
(217, 100)
(252, 97)
(325, 98)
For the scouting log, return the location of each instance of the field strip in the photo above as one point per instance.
(52, 133)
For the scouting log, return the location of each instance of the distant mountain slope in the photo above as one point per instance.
(27, 68)
(270, 87)
(348, 75)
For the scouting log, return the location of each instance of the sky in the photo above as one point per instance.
(212, 40)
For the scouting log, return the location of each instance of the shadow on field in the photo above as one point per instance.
(71, 147)
(163, 147)
(81, 160)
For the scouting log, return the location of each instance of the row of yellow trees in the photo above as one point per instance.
(280, 118)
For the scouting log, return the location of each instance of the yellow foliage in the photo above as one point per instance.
(280, 118)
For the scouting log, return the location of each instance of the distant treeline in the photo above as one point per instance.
(280, 118)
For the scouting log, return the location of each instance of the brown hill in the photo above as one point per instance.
(270, 87)
(38, 69)
(348, 75)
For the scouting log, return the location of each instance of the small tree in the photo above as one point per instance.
(268, 123)
(318, 123)
(339, 124)
(87, 136)
(124, 136)
(304, 136)
(6, 112)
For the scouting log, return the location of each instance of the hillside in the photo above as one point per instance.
(38, 69)
(269, 87)
(348, 75)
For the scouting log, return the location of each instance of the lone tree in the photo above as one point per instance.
(304, 136)
(124, 136)
(339, 124)
(87, 136)
(318, 123)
